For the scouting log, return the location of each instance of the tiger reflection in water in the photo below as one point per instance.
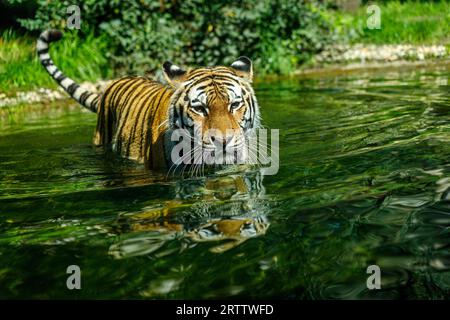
(228, 209)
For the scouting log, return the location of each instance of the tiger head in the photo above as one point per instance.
(144, 237)
(218, 213)
(215, 104)
(236, 230)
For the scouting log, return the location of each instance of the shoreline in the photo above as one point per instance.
(46, 95)
(333, 69)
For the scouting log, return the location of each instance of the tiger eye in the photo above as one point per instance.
(234, 105)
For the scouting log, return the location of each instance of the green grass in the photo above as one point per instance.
(82, 60)
(410, 22)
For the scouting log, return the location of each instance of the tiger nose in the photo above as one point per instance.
(225, 139)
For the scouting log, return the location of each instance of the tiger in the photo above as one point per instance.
(136, 116)
(225, 211)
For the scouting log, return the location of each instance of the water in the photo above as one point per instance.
(364, 180)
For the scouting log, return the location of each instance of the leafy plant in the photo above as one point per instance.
(277, 34)
(84, 60)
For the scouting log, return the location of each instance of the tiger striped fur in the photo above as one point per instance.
(83, 96)
(136, 115)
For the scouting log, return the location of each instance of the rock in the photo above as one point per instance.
(46, 95)
(380, 53)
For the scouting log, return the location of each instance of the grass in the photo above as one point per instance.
(82, 60)
(410, 22)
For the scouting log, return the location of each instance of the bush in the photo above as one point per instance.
(277, 34)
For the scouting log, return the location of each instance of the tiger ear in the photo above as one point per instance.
(173, 73)
(243, 67)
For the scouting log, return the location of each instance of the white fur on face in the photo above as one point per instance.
(197, 96)
(235, 93)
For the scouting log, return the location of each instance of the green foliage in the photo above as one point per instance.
(277, 34)
(414, 22)
(81, 59)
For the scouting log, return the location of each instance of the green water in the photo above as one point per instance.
(364, 180)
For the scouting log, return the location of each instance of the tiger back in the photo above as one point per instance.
(132, 119)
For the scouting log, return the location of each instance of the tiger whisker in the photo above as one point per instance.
(190, 155)
(163, 123)
(177, 165)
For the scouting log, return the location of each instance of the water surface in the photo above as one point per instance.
(364, 179)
